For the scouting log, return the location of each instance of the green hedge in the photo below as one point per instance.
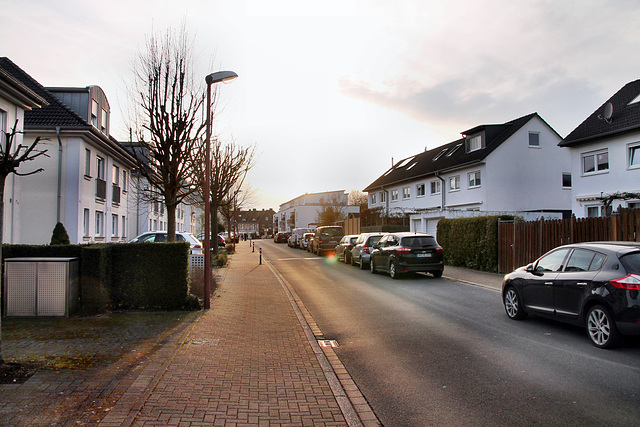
(124, 276)
(471, 242)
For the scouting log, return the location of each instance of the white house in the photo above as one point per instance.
(302, 212)
(515, 168)
(85, 175)
(605, 156)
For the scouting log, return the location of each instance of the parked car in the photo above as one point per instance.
(399, 253)
(221, 241)
(326, 238)
(595, 285)
(306, 238)
(161, 237)
(281, 237)
(362, 249)
(296, 236)
(343, 248)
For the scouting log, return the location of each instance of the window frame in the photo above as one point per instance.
(475, 143)
(633, 153)
(99, 224)
(373, 198)
(437, 184)
(95, 108)
(476, 182)
(394, 195)
(455, 179)
(536, 143)
(565, 174)
(596, 165)
(406, 193)
(421, 190)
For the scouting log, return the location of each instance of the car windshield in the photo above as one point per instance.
(373, 240)
(332, 232)
(631, 262)
(418, 242)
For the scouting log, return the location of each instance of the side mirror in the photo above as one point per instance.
(529, 268)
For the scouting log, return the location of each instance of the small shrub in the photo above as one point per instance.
(60, 235)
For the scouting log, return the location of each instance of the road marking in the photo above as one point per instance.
(296, 259)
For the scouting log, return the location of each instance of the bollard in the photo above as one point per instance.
(260, 256)
(253, 247)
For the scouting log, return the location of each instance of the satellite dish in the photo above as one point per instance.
(608, 112)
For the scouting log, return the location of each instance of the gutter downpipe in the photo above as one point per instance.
(59, 195)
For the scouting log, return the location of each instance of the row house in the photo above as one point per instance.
(515, 167)
(605, 156)
(254, 223)
(85, 176)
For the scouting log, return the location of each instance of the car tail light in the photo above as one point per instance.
(365, 249)
(403, 250)
(439, 250)
(630, 281)
(196, 246)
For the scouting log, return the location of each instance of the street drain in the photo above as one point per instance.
(328, 343)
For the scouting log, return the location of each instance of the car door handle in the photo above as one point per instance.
(581, 284)
(548, 283)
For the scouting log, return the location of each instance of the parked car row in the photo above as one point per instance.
(161, 237)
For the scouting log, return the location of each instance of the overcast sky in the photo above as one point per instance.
(329, 92)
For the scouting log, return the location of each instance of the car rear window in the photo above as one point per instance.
(332, 232)
(419, 242)
(631, 262)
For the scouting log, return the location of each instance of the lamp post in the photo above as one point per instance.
(225, 77)
(235, 218)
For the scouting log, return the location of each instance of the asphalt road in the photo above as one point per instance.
(428, 351)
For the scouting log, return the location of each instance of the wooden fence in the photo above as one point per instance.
(520, 243)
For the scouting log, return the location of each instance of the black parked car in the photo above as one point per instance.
(282, 237)
(343, 249)
(596, 285)
(400, 253)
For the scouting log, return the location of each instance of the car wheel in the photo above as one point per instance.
(437, 274)
(601, 328)
(512, 305)
(372, 266)
(393, 270)
(363, 266)
(352, 261)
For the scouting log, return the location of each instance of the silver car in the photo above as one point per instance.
(161, 237)
(362, 250)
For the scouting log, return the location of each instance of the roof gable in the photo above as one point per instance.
(452, 155)
(625, 118)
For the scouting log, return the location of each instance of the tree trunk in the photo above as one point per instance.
(171, 222)
(3, 179)
(213, 218)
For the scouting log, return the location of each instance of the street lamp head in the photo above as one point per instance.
(221, 76)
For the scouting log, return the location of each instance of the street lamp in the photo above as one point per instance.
(235, 218)
(225, 77)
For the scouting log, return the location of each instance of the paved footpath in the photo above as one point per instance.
(251, 360)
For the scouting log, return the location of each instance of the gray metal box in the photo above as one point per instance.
(41, 286)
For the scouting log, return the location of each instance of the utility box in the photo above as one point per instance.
(41, 286)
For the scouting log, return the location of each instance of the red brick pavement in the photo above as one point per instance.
(250, 360)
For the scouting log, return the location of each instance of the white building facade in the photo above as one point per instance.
(303, 211)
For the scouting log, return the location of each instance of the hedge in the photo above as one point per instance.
(471, 242)
(124, 276)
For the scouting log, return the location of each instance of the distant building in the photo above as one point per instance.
(303, 211)
(255, 223)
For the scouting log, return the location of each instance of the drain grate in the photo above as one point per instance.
(328, 343)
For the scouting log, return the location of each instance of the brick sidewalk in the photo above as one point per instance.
(247, 361)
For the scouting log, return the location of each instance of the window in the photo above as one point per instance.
(440, 154)
(454, 149)
(420, 190)
(394, 195)
(435, 187)
(99, 223)
(100, 164)
(103, 122)
(372, 197)
(3, 128)
(474, 143)
(383, 196)
(553, 261)
(566, 180)
(406, 193)
(534, 139)
(474, 179)
(124, 181)
(584, 260)
(87, 162)
(454, 183)
(593, 211)
(634, 156)
(85, 225)
(115, 178)
(595, 162)
(94, 113)
(124, 226)
(114, 225)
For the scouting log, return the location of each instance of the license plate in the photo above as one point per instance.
(428, 255)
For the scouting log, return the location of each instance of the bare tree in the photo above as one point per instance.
(358, 198)
(229, 166)
(332, 211)
(11, 157)
(167, 119)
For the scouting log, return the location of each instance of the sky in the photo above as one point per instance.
(331, 92)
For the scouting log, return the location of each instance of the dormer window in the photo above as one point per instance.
(474, 143)
(103, 122)
(94, 113)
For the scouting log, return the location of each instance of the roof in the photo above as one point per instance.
(625, 118)
(50, 116)
(255, 215)
(15, 91)
(450, 156)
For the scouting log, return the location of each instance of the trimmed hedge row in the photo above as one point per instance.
(471, 242)
(115, 276)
